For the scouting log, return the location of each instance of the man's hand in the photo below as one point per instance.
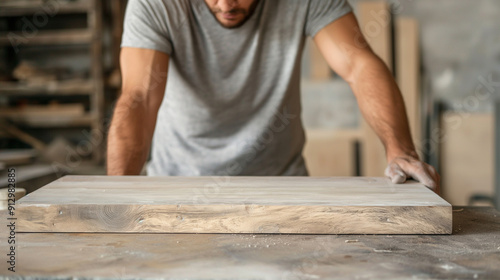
(404, 167)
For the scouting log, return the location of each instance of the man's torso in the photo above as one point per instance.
(232, 102)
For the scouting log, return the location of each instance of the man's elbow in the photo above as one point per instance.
(364, 66)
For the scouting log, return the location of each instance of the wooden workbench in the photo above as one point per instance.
(471, 252)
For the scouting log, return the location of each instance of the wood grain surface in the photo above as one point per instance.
(305, 205)
(472, 252)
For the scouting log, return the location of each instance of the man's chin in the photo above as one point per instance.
(231, 23)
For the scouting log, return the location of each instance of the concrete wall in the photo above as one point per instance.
(460, 44)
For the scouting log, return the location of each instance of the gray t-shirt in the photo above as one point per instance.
(232, 102)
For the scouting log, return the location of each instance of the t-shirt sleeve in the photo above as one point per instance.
(145, 26)
(323, 12)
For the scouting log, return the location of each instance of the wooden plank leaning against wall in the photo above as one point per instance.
(467, 157)
(328, 152)
(408, 73)
(375, 22)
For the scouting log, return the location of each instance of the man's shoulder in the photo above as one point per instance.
(176, 5)
(173, 5)
(289, 7)
(172, 12)
(291, 3)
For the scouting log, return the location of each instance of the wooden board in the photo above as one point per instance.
(467, 157)
(408, 73)
(470, 253)
(319, 68)
(330, 152)
(375, 23)
(17, 156)
(306, 205)
(40, 111)
(21, 135)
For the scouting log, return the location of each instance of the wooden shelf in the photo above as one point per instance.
(89, 38)
(54, 37)
(70, 87)
(56, 121)
(22, 7)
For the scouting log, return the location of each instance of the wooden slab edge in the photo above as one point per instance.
(236, 219)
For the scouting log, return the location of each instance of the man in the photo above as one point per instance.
(215, 85)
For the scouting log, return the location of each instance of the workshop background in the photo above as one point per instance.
(59, 80)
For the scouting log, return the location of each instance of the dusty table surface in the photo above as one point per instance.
(471, 252)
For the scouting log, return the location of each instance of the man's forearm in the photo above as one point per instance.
(379, 98)
(383, 107)
(144, 74)
(129, 138)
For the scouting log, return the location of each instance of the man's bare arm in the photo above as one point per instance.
(144, 75)
(379, 99)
